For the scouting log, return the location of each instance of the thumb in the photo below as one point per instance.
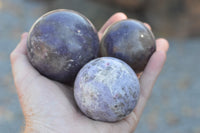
(22, 70)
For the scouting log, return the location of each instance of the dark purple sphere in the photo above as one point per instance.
(60, 43)
(106, 89)
(131, 41)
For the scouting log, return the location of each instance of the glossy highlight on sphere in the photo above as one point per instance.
(60, 43)
(106, 89)
(129, 40)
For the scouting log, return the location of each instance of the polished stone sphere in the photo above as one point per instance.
(106, 89)
(131, 41)
(60, 43)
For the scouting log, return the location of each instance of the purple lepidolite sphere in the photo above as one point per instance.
(106, 89)
(60, 43)
(129, 40)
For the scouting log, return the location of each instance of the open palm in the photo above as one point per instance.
(49, 106)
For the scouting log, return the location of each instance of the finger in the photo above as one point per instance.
(21, 47)
(21, 68)
(114, 18)
(162, 45)
(148, 26)
(150, 74)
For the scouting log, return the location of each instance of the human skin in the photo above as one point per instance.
(49, 106)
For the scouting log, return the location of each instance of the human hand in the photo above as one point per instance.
(49, 106)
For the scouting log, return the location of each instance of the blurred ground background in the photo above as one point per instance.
(174, 106)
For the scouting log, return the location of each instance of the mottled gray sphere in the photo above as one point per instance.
(60, 43)
(106, 89)
(131, 41)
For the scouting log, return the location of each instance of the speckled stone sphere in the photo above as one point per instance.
(106, 89)
(60, 43)
(131, 41)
